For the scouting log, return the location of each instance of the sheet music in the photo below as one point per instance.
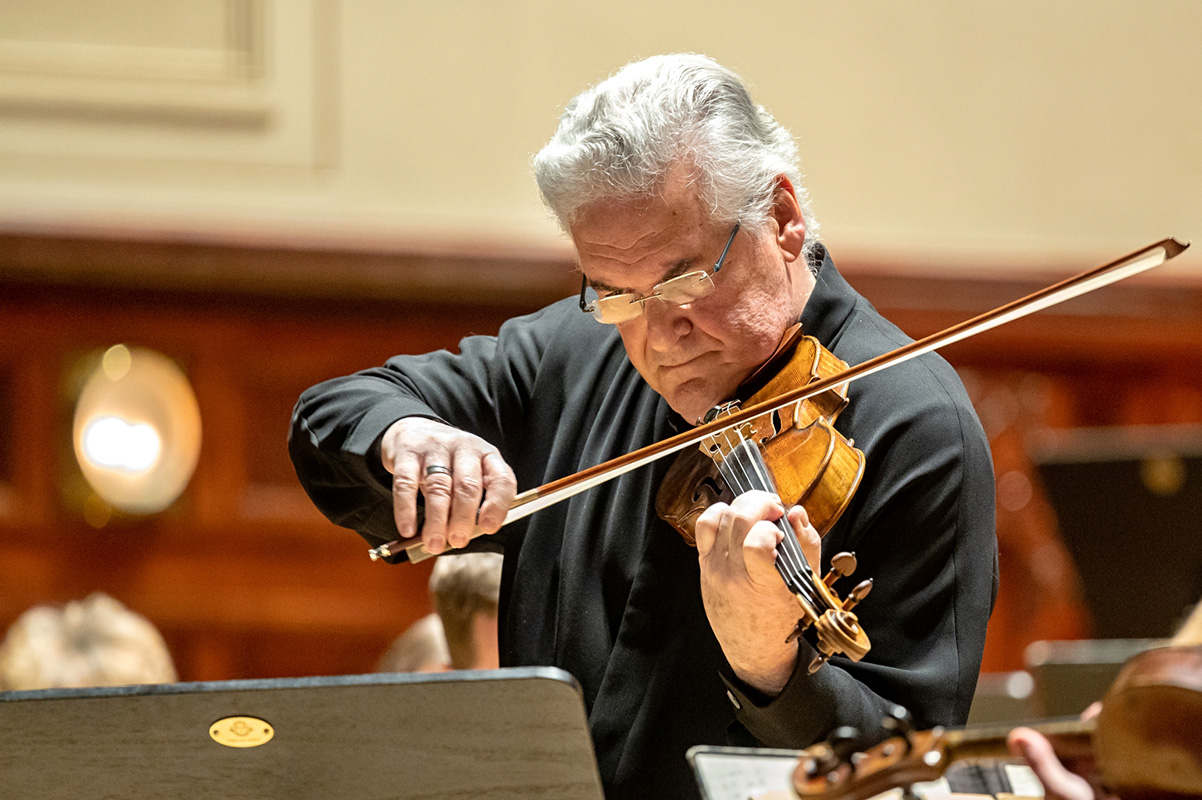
(736, 773)
(745, 773)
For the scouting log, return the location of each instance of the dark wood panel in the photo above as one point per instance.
(444, 275)
(7, 432)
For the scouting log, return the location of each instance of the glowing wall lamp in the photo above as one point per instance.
(137, 430)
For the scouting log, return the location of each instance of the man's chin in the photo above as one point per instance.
(693, 406)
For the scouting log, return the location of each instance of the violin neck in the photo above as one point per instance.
(1070, 738)
(744, 470)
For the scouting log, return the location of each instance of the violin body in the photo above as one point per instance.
(811, 463)
(1149, 734)
(823, 491)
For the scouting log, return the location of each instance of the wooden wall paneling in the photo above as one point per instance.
(1168, 396)
(221, 470)
(345, 283)
(216, 584)
(30, 363)
(8, 434)
(270, 377)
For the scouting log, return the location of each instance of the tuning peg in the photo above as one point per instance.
(841, 564)
(857, 594)
(838, 749)
(898, 720)
(844, 742)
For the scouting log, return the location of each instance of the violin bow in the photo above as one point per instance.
(532, 500)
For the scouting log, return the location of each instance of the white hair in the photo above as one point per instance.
(464, 586)
(620, 139)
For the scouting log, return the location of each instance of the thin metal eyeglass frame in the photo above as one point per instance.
(589, 308)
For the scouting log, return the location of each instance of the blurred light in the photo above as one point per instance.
(96, 512)
(118, 444)
(1014, 491)
(137, 433)
(1020, 685)
(116, 362)
(1163, 473)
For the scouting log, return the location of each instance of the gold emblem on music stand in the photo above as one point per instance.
(241, 731)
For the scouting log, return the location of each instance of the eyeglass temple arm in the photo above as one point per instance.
(722, 258)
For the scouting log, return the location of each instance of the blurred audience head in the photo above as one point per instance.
(466, 588)
(91, 642)
(421, 648)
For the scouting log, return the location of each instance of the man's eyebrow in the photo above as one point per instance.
(602, 286)
(675, 271)
(679, 268)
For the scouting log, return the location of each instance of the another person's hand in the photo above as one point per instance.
(1059, 782)
(466, 483)
(749, 607)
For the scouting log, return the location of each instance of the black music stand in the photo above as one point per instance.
(503, 734)
(1128, 502)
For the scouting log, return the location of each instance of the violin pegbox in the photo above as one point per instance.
(828, 771)
(836, 630)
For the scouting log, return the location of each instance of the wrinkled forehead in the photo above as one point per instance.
(625, 250)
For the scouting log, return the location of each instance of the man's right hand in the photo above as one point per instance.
(454, 470)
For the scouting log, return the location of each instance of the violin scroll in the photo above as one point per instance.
(836, 630)
(828, 771)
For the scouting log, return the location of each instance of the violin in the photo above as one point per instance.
(1145, 743)
(839, 628)
(795, 453)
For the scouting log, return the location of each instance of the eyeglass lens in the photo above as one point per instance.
(677, 291)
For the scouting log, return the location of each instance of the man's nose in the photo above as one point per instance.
(667, 324)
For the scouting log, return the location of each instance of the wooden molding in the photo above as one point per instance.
(529, 281)
(56, 260)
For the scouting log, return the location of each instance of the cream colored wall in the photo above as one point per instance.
(936, 134)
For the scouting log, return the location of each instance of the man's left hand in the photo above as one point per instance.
(749, 607)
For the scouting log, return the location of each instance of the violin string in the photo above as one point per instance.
(789, 561)
(737, 479)
(789, 549)
(744, 469)
(790, 543)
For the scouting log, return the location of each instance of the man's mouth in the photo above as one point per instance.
(680, 364)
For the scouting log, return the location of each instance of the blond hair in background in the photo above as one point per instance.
(466, 588)
(1191, 631)
(421, 648)
(91, 642)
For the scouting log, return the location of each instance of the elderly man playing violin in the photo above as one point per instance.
(698, 250)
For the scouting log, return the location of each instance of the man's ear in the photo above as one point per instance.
(790, 227)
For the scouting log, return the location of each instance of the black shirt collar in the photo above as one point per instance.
(832, 302)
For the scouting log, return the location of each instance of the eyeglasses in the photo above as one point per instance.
(678, 291)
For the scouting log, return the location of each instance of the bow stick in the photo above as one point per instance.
(549, 494)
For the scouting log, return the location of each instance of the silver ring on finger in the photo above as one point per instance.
(437, 469)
